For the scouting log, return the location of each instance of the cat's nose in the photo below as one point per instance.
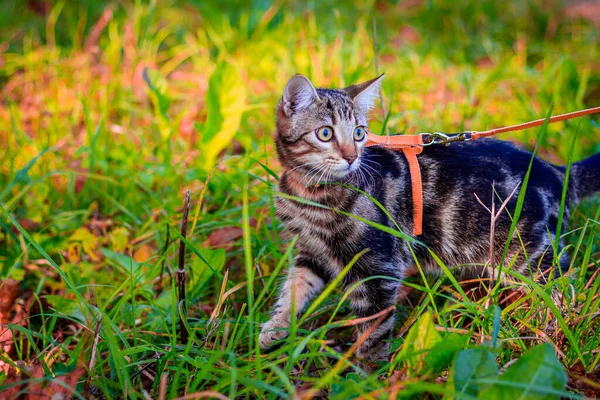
(350, 158)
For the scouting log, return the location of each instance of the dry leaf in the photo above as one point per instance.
(223, 237)
(38, 389)
(52, 390)
(74, 252)
(143, 253)
(8, 293)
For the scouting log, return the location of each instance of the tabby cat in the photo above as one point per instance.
(321, 137)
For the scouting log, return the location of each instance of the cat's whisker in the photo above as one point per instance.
(371, 175)
(364, 172)
(319, 180)
(309, 175)
(371, 168)
(372, 162)
(319, 169)
(304, 165)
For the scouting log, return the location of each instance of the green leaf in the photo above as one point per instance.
(470, 365)
(442, 353)
(200, 273)
(421, 338)
(126, 262)
(158, 90)
(226, 101)
(67, 307)
(351, 386)
(536, 375)
(160, 99)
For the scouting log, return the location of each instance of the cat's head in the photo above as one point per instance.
(322, 132)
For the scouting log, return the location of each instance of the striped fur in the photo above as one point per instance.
(456, 226)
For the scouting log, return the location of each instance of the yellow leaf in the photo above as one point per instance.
(119, 238)
(73, 252)
(88, 241)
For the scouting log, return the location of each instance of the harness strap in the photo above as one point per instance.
(411, 145)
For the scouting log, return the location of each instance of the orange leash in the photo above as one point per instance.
(412, 145)
(533, 124)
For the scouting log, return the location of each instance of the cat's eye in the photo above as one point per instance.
(360, 133)
(325, 133)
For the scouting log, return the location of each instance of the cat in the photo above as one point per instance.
(320, 140)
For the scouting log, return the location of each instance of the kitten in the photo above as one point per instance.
(321, 137)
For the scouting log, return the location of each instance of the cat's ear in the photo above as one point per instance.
(364, 94)
(299, 93)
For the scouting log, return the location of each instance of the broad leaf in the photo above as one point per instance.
(68, 307)
(125, 262)
(470, 365)
(537, 375)
(442, 353)
(226, 100)
(421, 338)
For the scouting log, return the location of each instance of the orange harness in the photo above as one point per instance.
(412, 145)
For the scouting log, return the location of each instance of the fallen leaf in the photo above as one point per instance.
(11, 312)
(8, 293)
(88, 241)
(143, 253)
(51, 389)
(223, 237)
(74, 252)
(40, 386)
(119, 239)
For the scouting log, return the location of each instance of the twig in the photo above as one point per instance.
(162, 266)
(92, 362)
(162, 387)
(358, 321)
(207, 394)
(181, 270)
(493, 218)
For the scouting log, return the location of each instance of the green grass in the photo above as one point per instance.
(97, 155)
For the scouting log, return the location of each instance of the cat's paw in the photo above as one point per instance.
(274, 330)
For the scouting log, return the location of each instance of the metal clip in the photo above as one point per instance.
(442, 138)
(436, 138)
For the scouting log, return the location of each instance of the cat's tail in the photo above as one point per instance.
(586, 174)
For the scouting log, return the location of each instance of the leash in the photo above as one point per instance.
(412, 145)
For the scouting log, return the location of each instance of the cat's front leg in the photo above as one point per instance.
(369, 299)
(299, 287)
